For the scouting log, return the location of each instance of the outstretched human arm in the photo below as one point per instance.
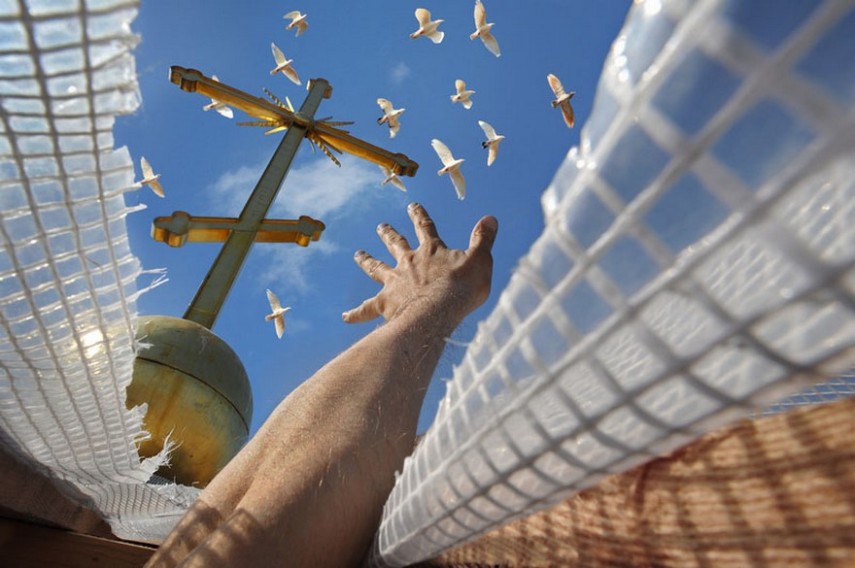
(309, 488)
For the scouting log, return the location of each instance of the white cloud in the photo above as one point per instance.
(399, 73)
(233, 188)
(319, 188)
(285, 266)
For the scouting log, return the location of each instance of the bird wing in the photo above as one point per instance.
(555, 85)
(279, 322)
(147, 172)
(492, 153)
(224, 110)
(396, 181)
(491, 43)
(293, 15)
(301, 27)
(291, 74)
(567, 112)
(277, 54)
(460, 85)
(488, 130)
(442, 151)
(436, 36)
(274, 301)
(394, 126)
(385, 104)
(156, 188)
(480, 14)
(467, 104)
(459, 183)
(423, 16)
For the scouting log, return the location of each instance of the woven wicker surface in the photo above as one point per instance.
(777, 491)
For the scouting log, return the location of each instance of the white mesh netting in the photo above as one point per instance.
(67, 275)
(697, 265)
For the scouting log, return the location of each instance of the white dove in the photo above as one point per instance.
(427, 27)
(150, 178)
(392, 177)
(492, 142)
(219, 106)
(482, 29)
(283, 65)
(462, 96)
(391, 116)
(277, 313)
(298, 21)
(450, 167)
(562, 99)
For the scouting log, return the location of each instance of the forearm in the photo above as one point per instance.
(308, 490)
(384, 376)
(324, 462)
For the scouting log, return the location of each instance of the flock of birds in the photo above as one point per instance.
(428, 28)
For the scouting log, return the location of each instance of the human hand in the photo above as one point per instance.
(432, 276)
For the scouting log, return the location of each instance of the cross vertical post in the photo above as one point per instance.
(211, 295)
(197, 391)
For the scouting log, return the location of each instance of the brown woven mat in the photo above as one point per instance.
(776, 491)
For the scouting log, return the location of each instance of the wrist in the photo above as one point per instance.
(443, 312)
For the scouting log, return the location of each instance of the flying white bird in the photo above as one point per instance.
(298, 21)
(482, 29)
(392, 177)
(450, 167)
(391, 116)
(218, 106)
(427, 27)
(150, 178)
(462, 96)
(277, 313)
(562, 99)
(492, 142)
(283, 65)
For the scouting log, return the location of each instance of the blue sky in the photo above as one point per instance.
(209, 166)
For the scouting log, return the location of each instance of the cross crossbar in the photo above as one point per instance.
(194, 81)
(180, 228)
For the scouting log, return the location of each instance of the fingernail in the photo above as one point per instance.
(413, 205)
(382, 227)
(359, 253)
(344, 316)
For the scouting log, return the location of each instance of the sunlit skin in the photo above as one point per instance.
(309, 488)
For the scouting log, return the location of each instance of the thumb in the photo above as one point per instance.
(366, 311)
(484, 234)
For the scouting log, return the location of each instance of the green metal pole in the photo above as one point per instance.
(211, 295)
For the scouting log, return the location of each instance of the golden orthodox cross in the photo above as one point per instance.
(240, 233)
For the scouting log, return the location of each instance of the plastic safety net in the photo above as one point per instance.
(696, 267)
(67, 274)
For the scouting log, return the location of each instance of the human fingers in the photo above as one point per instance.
(365, 311)
(377, 270)
(422, 223)
(393, 240)
(483, 234)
